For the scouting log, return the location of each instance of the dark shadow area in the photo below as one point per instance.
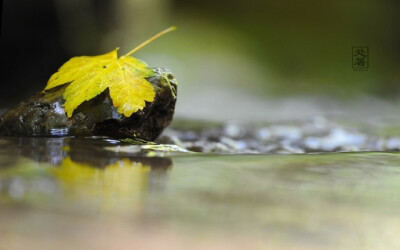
(88, 151)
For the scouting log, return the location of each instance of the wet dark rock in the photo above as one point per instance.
(43, 114)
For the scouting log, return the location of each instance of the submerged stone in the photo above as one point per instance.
(43, 114)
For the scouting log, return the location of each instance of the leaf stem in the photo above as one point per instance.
(172, 28)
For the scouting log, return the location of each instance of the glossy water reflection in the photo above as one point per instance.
(80, 171)
(75, 190)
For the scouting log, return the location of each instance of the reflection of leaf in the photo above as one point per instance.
(122, 181)
(120, 175)
(91, 75)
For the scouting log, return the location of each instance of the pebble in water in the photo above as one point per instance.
(263, 134)
(377, 144)
(286, 132)
(234, 131)
(393, 144)
(339, 138)
(236, 145)
(312, 142)
(315, 135)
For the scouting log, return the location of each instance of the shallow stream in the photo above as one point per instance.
(101, 193)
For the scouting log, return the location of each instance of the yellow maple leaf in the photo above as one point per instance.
(89, 76)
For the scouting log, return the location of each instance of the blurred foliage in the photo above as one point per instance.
(268, 47)
(307, 44)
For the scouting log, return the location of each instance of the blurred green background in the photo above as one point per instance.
(226, 55)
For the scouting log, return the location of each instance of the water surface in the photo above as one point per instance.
(100, 193)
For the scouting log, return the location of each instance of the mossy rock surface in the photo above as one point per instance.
(43, 114)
